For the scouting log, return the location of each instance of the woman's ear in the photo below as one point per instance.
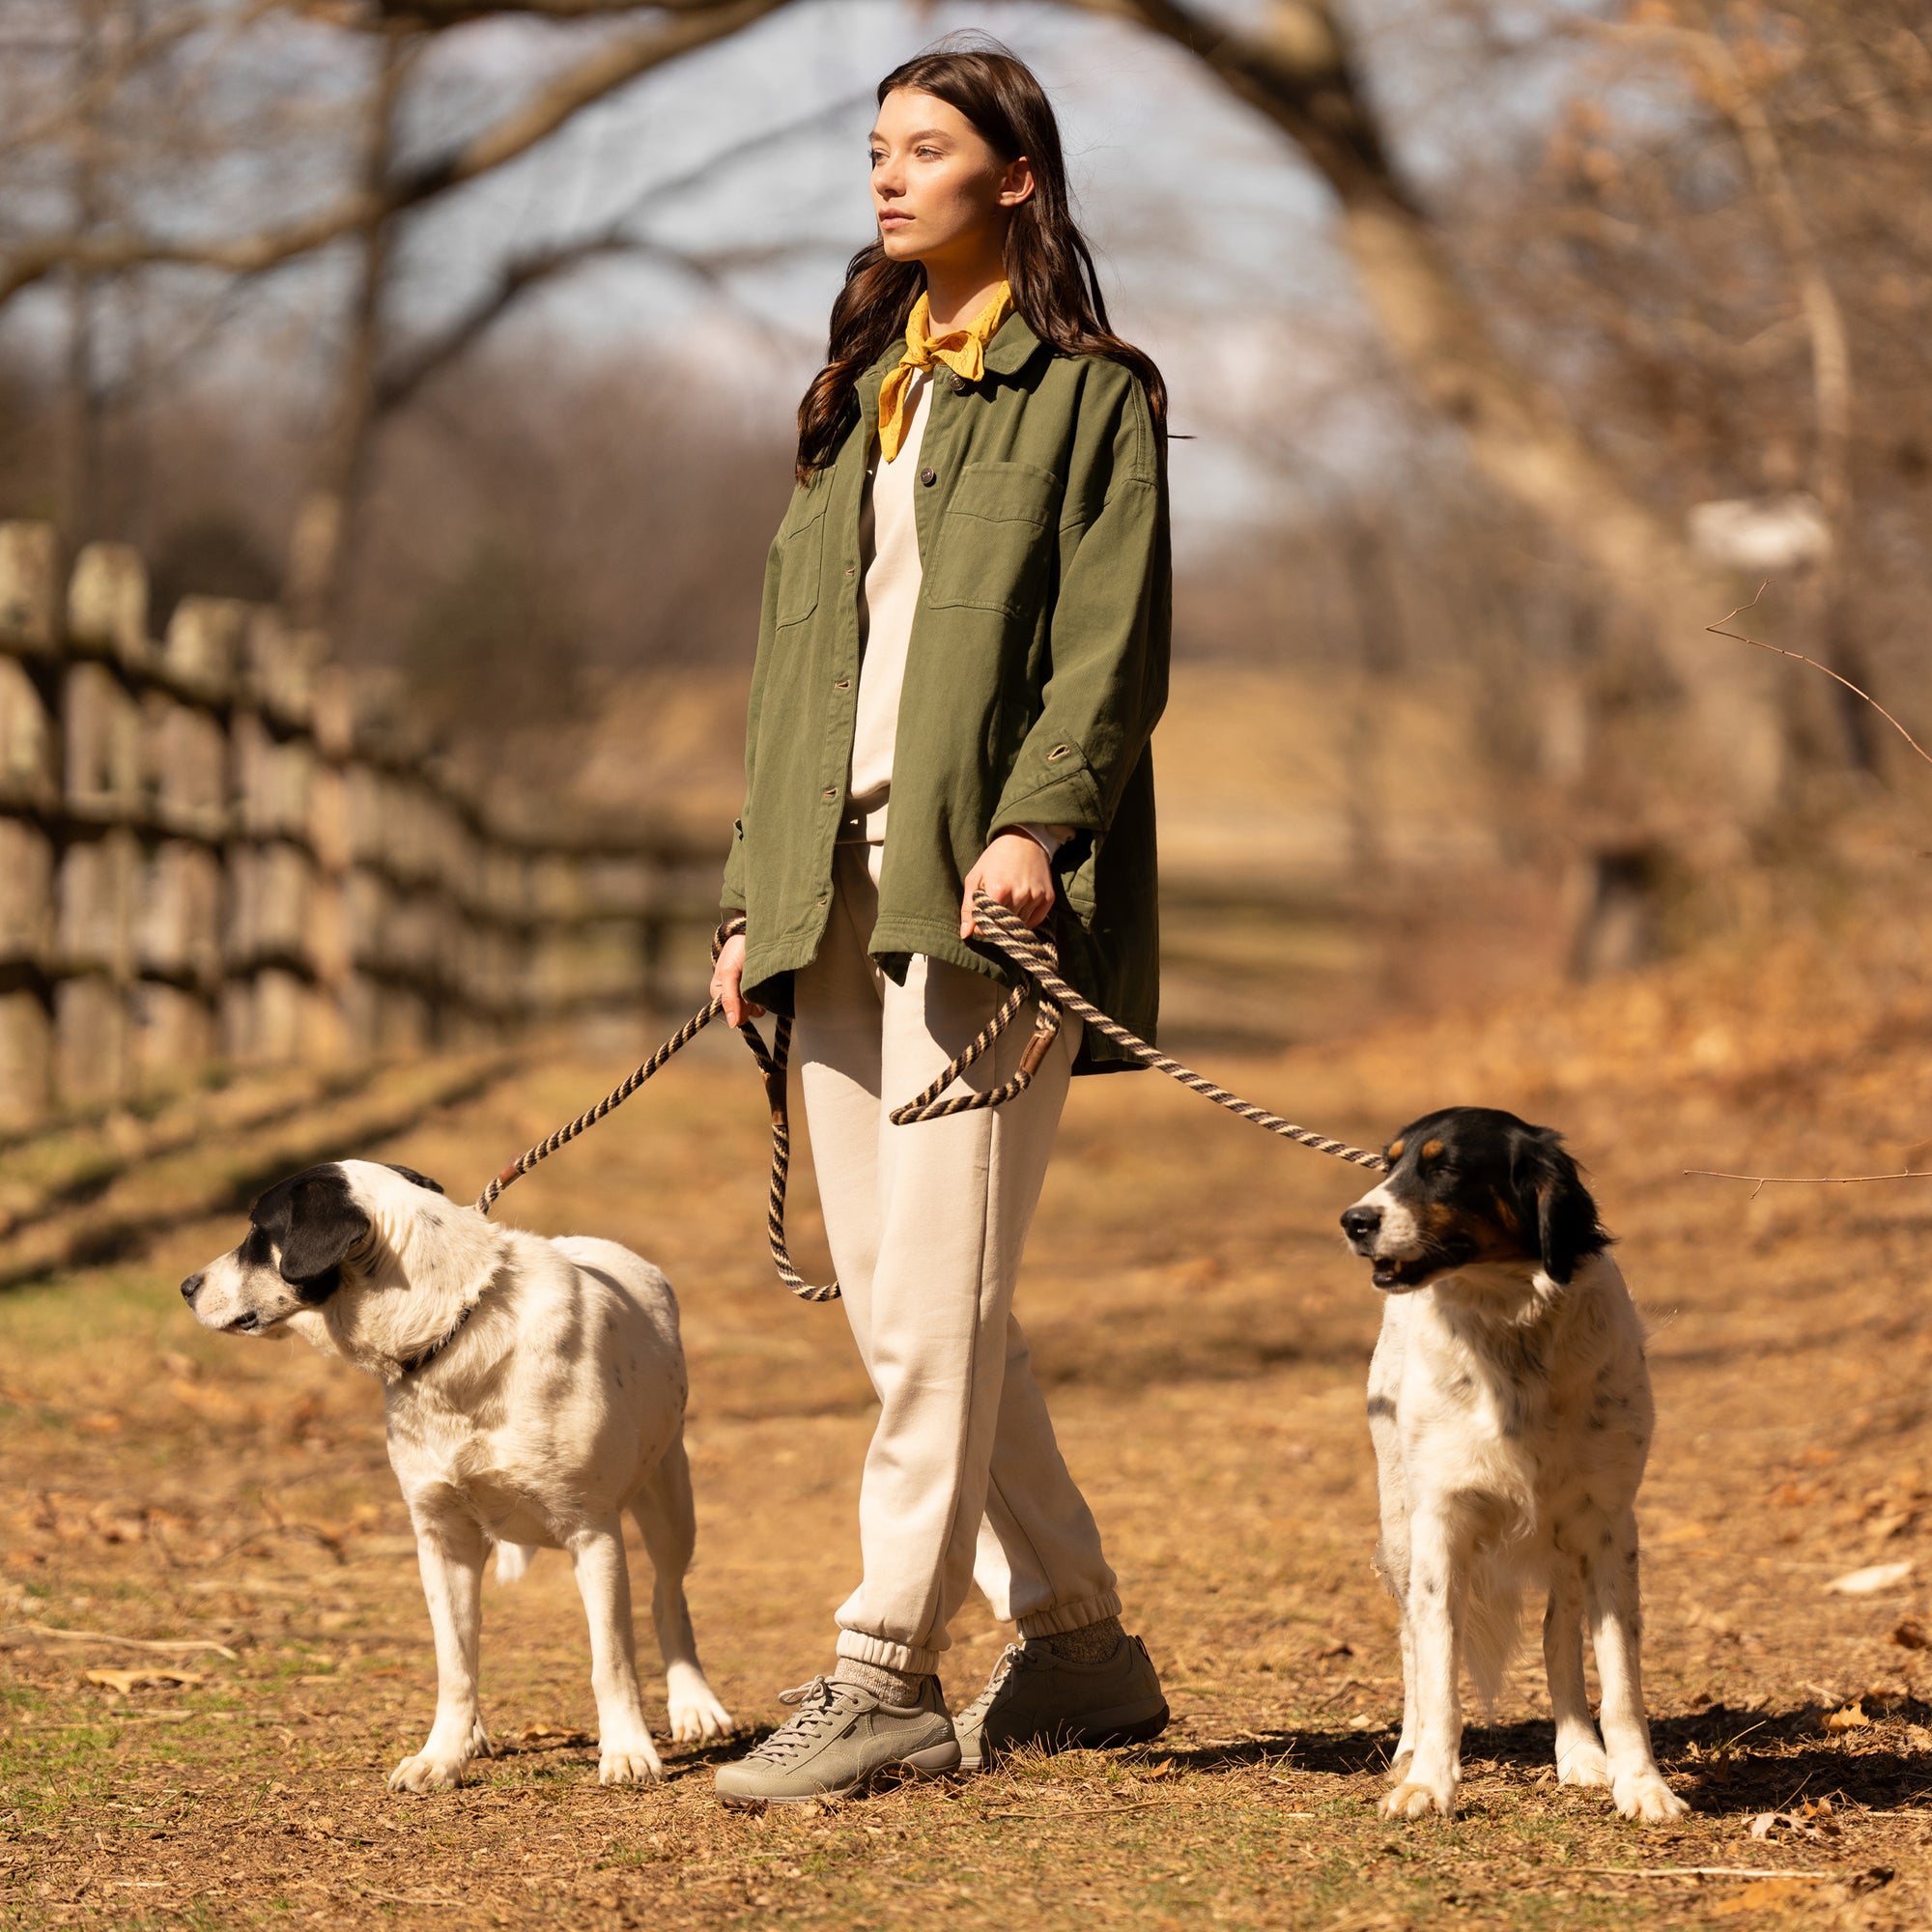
(324, 1227)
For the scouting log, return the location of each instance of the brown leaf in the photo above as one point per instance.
(1764, 1891)
(1851, 1718)
(1910, 1635)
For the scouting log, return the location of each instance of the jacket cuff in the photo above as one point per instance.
(1052, 788)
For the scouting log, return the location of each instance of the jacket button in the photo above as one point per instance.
(1058, 752)
(928, 477)
(957, 382)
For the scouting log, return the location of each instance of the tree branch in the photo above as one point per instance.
(592, 79)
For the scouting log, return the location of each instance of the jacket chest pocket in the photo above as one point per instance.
(994, 539)
(801, 561)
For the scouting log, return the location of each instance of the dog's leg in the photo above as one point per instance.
(1438, 1569)
(1392, 1505)
(449, 1553)
(667, 1521)
(626, 1754)
(1579, 1754)
(1392, 1561)
(1616, 1631)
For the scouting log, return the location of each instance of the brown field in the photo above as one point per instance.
(1207, 1338)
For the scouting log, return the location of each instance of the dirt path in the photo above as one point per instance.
(1207, 1339)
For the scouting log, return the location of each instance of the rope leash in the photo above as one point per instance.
(772, 1064)
(1034, 957)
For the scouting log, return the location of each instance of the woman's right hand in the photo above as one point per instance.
(727, 979)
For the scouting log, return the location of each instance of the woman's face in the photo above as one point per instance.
(940, 192)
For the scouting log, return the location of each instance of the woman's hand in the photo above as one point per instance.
(728, 979)
(1014, 872)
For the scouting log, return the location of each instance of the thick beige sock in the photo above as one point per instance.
(1091, 1643)
(899, 1689)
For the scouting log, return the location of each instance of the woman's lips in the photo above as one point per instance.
(894, 221)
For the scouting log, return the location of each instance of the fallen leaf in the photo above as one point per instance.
(1919, 1737)
(1769, 1823)
(1341, 1647)
(1852, 1717)
(1764, 1891)
(1910, 1635)
(1870, 1580)
(129, 1681)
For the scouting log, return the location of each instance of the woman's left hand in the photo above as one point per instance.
(1014, 872)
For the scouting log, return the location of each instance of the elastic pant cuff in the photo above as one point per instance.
(900, 1656)
(1061, 1618)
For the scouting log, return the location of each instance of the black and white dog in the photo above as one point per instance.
(535, 1392)
(1510, 1406)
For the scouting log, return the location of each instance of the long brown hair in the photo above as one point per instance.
(1047, 260)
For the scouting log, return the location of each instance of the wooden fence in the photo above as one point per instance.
(214, 851)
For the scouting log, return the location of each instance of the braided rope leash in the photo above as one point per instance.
(1034, 957)
(772, 1064)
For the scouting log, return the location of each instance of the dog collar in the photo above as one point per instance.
(411, 1364)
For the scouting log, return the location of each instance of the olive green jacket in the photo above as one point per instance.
(1035, 672)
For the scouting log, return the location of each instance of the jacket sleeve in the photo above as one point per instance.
(1109, 635)
(732, 896)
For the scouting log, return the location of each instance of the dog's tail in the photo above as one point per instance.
(512, 1560)
(1492, 1622)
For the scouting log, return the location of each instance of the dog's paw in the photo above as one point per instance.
(1413, 1799)
(425, 1772)
(1644, 1796)
(636, 1763)
(438, 1768)
(696, 1714)
(1585, 1765)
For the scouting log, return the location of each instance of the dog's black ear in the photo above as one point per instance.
(324, 1226)
(1551, 1194)
(410, 1175)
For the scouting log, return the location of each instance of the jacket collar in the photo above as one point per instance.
(1011, 346)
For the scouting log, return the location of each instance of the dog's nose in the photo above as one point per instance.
(191, 1288)
(1359, 1223)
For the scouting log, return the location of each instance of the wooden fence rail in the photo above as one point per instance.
(214, 850)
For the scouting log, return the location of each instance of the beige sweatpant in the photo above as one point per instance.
(963, 1481)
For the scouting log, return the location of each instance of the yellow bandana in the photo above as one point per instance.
(963, 350)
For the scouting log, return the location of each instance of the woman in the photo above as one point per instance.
(965, 632)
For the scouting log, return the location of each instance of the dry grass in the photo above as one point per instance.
(1207, 1340)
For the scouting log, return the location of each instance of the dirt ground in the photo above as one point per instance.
(1207, 1339)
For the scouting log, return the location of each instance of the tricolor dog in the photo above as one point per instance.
(1510, 1406)
(535, 1392)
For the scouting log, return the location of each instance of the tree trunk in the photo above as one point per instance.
(1298, 68)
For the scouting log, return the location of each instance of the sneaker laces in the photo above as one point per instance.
(821, 1709)
(1015, 1657)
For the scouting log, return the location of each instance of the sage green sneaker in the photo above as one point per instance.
(1035, 1697)
(840, 1741)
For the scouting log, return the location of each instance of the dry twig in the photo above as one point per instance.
(1718, 630)
(1699, 1871)
(1765, 1180)
(166, 1646)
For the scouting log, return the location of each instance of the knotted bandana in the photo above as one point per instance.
(963, 350)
